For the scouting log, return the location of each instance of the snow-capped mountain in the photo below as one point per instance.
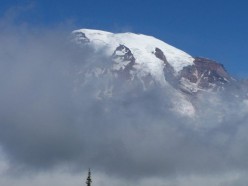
(152, 61)
(148, 52)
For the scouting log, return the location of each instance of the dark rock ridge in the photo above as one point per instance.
(123, 62)
(80, 38)
(124, 54)
(206, 74)
(169, 71)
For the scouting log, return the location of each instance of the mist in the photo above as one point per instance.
(52, 116)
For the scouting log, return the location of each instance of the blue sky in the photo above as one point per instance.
(216, 29)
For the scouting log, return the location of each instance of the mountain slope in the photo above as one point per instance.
(154, 62)
(142, 47)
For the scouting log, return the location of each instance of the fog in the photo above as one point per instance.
(52, 121)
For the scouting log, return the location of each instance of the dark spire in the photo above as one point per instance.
(89, 181)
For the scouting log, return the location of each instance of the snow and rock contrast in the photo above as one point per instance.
(143, 49)
(152, 61)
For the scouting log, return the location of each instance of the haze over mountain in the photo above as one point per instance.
(136, 110)
(153, 62)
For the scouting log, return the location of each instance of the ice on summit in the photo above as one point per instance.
(141, 46)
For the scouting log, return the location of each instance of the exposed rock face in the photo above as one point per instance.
(169, 72)
(205, 74)
(123, 59)
(81, 38)
(160, 55)
(217, 69)
(123, 62)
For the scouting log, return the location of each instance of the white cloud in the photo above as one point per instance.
(51, 134)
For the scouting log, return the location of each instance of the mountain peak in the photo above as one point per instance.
(151, 61)
(143, 48)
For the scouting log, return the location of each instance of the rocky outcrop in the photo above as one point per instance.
(80, 38)
(205, 74)
(123, 61)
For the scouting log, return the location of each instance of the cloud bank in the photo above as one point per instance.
(50, 118)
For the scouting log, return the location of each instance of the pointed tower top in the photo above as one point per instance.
(88, 180)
